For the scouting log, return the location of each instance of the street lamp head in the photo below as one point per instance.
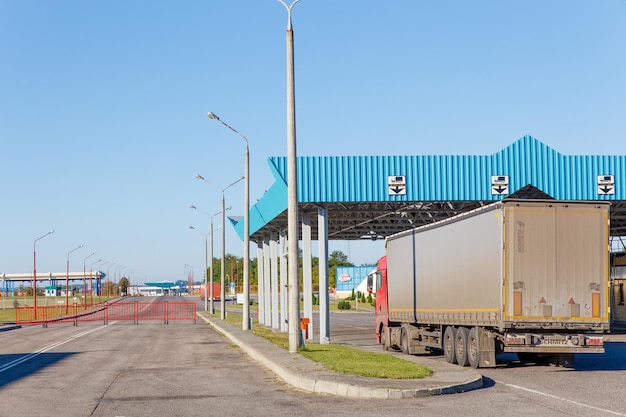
(212, 116)
(193, 207)
(200, 177)
(191, 227)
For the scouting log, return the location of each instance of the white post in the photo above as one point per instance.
(274, 272)
(260, 282)
(267, 287)
(283, 283)
(322, 235)
(307, 270)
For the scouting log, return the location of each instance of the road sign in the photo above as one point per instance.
(606, 179)
(499, 189)
(500, 180)
(396, 185)
(606, 189)
(606, 184)
(499, 184)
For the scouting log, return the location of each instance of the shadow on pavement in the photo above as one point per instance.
(16, 366)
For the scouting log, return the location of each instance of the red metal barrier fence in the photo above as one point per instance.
(118, 311)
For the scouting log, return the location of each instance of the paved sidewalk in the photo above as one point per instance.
(306, 375)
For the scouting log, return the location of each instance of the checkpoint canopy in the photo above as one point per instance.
(371, 197)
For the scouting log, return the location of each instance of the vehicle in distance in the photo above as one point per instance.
(205, 286)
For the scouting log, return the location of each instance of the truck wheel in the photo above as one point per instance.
(449, 337)
(404, 341)
(460, 343)
(383, 337)
(473, 348)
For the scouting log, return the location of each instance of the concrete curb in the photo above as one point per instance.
(323, 385)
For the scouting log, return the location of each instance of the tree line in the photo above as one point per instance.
(233, 269)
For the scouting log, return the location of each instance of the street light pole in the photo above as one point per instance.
(113, 281)
(67, 277)
(91, 280)
(189, 275)
(210, 292)
(85, 278)
(246, 229)
(223, 278)
(292, 194)
(35, 271)
(206, 280)
(223, 266)
(107, 280)
(99, 281)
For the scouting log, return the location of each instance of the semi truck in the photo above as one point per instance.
(523, 276)
(205, 286)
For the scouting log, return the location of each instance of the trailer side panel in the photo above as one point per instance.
(450, 272)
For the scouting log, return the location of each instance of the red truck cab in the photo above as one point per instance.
(382, 302)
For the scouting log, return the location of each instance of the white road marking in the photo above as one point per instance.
(24, 358)
(561, 399)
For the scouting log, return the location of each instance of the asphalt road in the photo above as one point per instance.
(594, 386)
(186, 369)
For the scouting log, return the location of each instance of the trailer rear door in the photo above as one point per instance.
(556, 262)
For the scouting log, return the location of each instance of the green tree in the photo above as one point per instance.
(123, 285)
(109, 288)
(233, 271)
(315, 272)
(336, 258)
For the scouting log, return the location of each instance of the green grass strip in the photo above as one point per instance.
(344, 359)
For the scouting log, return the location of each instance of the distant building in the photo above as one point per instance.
(53, 291)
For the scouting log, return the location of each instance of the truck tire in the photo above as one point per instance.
(404, 341)
(460, 343)
(449, 337)
(383, 337)
(473, 348)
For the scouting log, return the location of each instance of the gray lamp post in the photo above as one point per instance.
(206, 281)
(91, 280)
(189, 274)
(246, 229)
(99, 281)
(108, 280)
(223, 278)
(210, 292)
(85, 278)
(67, 277)
(292, 194)
(35, 271)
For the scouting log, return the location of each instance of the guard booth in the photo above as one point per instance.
(53, 291)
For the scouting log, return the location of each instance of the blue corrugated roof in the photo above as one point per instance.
(335, 179)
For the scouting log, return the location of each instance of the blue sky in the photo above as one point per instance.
(103, 107)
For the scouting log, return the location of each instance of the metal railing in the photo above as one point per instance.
(118, 311)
